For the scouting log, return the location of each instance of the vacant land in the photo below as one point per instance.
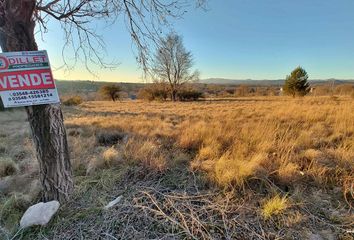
(246, 168)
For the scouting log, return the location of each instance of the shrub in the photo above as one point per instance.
(109, 138)
(110, 156)
(144, 94)
(345, 89)
(7, 167)
(146, 153)
(230, 91)
(323, 90)
(242, 91)
(160, 91)
(111, 91)
(73, 101)
(274, 206)
(156, 91)
(189, 94)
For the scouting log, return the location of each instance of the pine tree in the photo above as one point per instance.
(296, 83)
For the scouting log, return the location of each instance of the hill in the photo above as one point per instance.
(73, 87)
(275, 82)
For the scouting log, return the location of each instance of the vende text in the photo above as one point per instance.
(26, 80)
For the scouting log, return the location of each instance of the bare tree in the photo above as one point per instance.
(18, 18)
(172, 64)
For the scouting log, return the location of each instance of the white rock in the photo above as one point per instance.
(114, 202)
(315, 237)
(39, 214)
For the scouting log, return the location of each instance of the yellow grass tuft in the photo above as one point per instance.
(274, 206)
(146, 153)
(110, 156)
(229, 170)
(289, 173)
(312, 154)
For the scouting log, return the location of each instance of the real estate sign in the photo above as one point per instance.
(26, 79)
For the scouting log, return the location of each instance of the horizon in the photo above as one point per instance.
(237, 40)
(206, 79)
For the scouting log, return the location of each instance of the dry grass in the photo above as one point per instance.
(7, 167)
(285, 140)
(192, 167)
(147, 153)
(274, 206)
(110, 156)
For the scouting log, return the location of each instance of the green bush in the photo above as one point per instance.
(73, 101)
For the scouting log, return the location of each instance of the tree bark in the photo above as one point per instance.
(46, 121)
(49, 136)
(174, 95)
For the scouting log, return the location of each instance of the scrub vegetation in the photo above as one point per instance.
(240, 168)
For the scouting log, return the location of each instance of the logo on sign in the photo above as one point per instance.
(4, 64)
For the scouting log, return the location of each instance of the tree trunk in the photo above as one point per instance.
(1, 106)
(174, 95)
(46, 121)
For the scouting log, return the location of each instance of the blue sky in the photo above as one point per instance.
(240, 39)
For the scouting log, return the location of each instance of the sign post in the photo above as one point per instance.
(26, 79)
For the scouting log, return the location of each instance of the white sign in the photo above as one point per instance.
(26, 79)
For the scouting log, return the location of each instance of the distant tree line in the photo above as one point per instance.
(196, 91)
(162, 92)
(296, 84)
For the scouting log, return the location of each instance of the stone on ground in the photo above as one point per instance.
(39, 214)
(113, 203)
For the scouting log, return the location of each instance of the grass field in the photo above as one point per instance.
(246, 168)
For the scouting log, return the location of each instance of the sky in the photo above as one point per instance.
(237, 39)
